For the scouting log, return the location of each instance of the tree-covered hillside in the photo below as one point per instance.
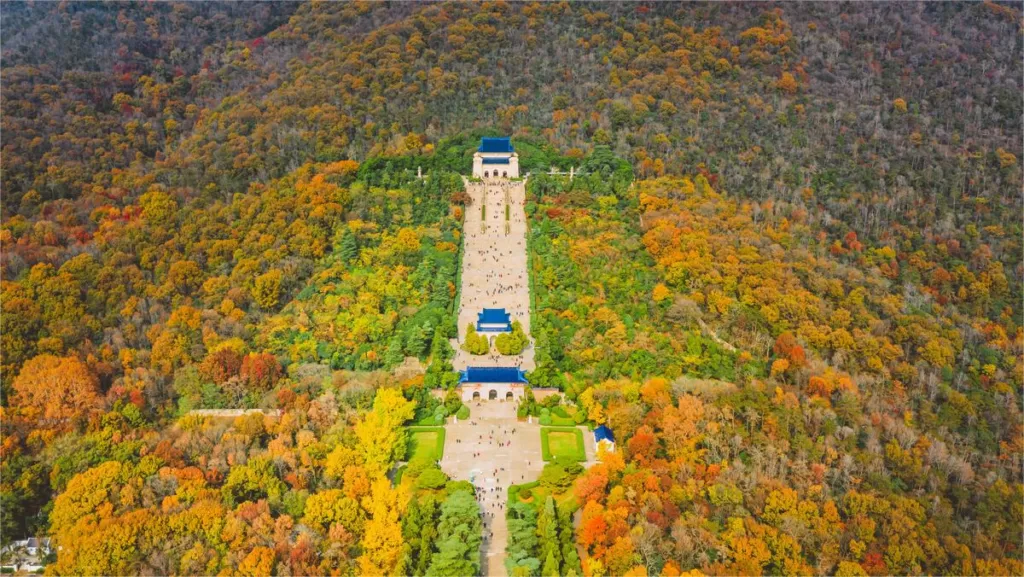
(788, 277)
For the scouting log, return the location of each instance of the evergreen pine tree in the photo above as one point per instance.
(550, 568)
(415, 342)
(458, 537)
(394, 355)
(439, 293)
(427, 536)
(348, 249)
(547, 533)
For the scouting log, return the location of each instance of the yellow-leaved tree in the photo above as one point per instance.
(382, 541)
(382, 439)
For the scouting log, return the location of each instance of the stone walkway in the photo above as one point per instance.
(472, 452)
(494, 266)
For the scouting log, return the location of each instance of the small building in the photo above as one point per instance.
(495, 159)
(494, 321)
(26, 554)
(603, 436)
(492, 383)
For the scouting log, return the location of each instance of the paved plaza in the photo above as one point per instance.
(494, 266)
(493, 451)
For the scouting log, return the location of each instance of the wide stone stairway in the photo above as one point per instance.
(494, 266)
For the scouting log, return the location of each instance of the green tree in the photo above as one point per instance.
(394, 355)
(550, 567)
(475, 343)
(458, 537)
(514, 342)
(521, 552)
(547, 534)
(347, 247)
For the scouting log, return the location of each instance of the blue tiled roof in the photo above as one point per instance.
(495, 161)
(493, 316)
(603, 433)
(495, 145)
(492, 375)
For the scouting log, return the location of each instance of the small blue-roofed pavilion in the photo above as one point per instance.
(492, 375)
(494, 321)
(603, 434)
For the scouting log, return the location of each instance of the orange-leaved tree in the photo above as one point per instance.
(58, 391)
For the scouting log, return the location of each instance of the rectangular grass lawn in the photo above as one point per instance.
(566, 442)
(426, 443)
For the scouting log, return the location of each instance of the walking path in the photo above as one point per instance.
(494, 266)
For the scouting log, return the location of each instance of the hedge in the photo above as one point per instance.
(579, 454)
(513, 490)
(563, 421)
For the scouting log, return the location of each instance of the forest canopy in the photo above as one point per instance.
(786, 275)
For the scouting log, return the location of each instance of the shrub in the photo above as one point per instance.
(463, 412)
(562, 421)
(456, 486)
(545, 419)
(560, 411)
(555, 477)
(525, 493)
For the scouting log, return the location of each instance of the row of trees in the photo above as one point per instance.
(541, 540)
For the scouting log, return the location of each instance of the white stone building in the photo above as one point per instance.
(492, 383)
(495, 159)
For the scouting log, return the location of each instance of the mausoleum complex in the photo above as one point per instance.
(495, 290)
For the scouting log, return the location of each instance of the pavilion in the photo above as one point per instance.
(603, 435)
(494, 321)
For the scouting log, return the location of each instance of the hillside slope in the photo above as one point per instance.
(788, 277)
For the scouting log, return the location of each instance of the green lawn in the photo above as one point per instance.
(562, 442)
(426, 443)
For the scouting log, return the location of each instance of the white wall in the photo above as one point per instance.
(512, 168)
(484, 389)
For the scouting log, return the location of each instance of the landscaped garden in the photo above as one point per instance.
(426, 443)
(565, 442)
